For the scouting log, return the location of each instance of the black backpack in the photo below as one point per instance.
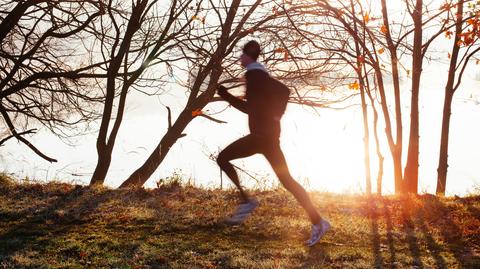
(279, 95)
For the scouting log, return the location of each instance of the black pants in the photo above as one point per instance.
(270, 148)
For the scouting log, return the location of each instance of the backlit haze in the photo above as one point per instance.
(324, 149)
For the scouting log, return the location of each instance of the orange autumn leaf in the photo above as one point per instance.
(468, 39)
(448, 34)
(201, 19)
(366, 17)
(384, 29)
(354, 86)
(197, 112)
(280, 50)
(449, 55)
(380, 51)
(361, 59)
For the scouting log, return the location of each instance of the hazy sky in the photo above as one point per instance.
(326, 149)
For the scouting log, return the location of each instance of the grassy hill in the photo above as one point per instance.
(65, 226)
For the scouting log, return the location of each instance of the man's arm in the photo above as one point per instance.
(232, 100)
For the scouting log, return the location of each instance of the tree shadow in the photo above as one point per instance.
(408, 227)
(389, 226)
(452, 234)
(33, 225)
(378, 259)
(474, 211)
(317, 256)
(434, 248)
(377, 214)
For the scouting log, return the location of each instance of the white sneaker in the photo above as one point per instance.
(243, 211)
(318, 231)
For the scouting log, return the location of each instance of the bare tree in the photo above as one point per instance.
(399, 39)
(211, 53)
(43, 80)
(339, 19)
(465, 46)
(411, 167)
(133, 40)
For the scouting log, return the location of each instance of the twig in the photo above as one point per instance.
(32, 131)
(10, 125)
(212, 119)
(169, 117)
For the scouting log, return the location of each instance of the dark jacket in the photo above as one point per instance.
(258, 105)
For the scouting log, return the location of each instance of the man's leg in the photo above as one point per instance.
(243, 147)
(275, 156)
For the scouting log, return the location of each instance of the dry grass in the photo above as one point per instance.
(64, 226)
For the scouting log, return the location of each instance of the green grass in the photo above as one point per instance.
(64, 226)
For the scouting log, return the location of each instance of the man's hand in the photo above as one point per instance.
(222, 91)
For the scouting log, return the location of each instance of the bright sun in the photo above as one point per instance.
(327, 148)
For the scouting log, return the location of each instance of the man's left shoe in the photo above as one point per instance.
(243, 211)
(318, 231)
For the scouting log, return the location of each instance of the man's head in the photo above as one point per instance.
(250, 54)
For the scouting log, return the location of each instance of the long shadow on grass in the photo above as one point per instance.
(28, 232)
(474, 211)
(434, 248)
(388, 221)
(409, 228)
(378, 259)
(318, 257)
(376, 215)
(452, 235)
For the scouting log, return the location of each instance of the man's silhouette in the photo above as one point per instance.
(264, 124)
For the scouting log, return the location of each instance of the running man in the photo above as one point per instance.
(264, 138)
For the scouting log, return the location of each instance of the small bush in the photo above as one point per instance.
(6, 180)
(172, 182)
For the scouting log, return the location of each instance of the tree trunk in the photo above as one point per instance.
(101, 169)
(375, 134)
(143, 173)
(443, 156)
(381, 89)
(366, 131)
(447, 106)
(398, 149)
(366, 145)
(411, 168)
(397, 172)
(105, 145)
(394, 149)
